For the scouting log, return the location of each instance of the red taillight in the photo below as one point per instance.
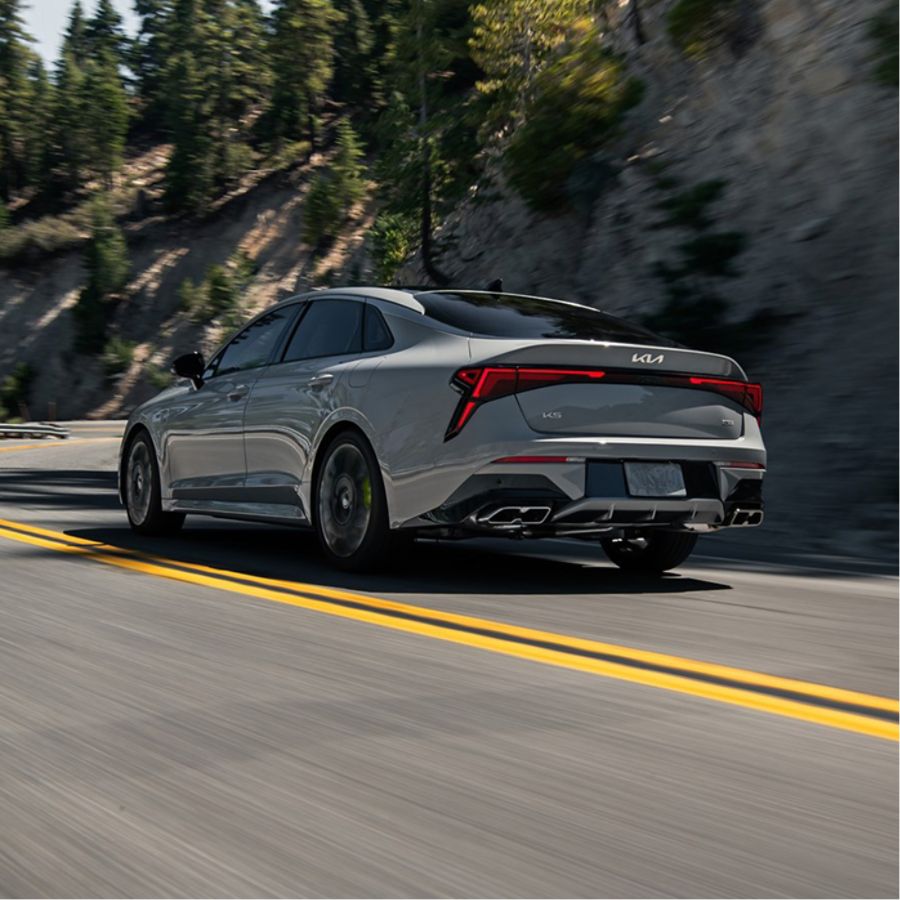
(749, 395)
(490, 382)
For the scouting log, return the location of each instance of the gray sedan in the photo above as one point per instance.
(375, 414)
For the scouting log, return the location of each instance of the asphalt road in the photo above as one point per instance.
(221, 714)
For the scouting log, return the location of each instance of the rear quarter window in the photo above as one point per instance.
(513, 316)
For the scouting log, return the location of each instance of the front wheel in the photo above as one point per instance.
(652, 552)
(142, 491)
(351, 509)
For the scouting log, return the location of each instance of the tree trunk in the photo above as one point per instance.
(435, 274)
(637, 22)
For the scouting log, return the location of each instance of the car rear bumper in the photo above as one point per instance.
(561, 498)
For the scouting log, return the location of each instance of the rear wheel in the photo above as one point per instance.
(652, 552)
(142, 491)
(351, 509)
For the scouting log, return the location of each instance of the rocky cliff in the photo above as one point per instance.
(785, 143)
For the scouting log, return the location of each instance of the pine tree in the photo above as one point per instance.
(354, 81)
(302, 52)
(348, 167)
(69, 137)
(15, 59)
(426, 141)
(75, 37)
(107, 264)
(106, 114)
(148, 54)
(190, 172)
(37, 125)
(103, 32)
(234, 55)
(511, 41)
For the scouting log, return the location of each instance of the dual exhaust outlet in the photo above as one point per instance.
(514, 515)
(520, 516)
(745, 518)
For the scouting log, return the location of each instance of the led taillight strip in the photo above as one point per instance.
(479, 384)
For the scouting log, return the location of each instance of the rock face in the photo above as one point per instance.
(806, 141)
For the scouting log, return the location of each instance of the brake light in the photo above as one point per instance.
(749, 395)
(481, 384)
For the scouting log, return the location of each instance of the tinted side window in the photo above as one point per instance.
(329, 328)
(254, 345)
(377, 335)
(514, 316)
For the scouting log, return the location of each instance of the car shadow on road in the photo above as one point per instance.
(505, 567)
(428, 567)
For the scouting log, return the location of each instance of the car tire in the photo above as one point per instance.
(141, 491)
(351, 515)
(650, 553)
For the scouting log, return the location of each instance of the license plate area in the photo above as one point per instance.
(650, 479)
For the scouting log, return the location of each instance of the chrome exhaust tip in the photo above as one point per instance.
(506, 516)
(745, 518)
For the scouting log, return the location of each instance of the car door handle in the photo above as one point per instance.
(238, 393)
(320, 380)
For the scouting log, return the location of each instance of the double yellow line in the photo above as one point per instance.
(821, 704)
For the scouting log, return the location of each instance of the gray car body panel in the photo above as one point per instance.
(245, 445)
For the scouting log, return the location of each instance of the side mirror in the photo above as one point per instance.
(190, 365)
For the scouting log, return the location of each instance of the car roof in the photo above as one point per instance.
(400, 296)
(407, 296)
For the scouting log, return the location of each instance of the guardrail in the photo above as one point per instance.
(32, 430)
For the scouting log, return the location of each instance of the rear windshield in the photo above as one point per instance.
(513, 316)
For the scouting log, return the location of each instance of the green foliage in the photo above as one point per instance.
(205, 64)
(578, 104)
(713, 254)
(333, 192)
(355, 81)
(512, 40)
(392, 239)
(697, 27)
(348, 167)
(322, 211)
(117, 355)
(106, 114)
(694, 310)
(159, 378)
(14, 390)
(16, 58)
(690, 208)
(427, 134)
(302, 53)
(4, 216)
(107, 264)
(883, 32)
(219, 294)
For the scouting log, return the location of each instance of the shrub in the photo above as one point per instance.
(392, 240)
(14, 390)
(689, 208)
(117, 355)
(322, 211)
(334, 191)
(220, 291)
(159, 378)
(697, 27)
(577, 106)
(883, 32)
(713, 254)
(106, 260)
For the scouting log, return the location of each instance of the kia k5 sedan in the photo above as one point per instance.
(372, 415)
